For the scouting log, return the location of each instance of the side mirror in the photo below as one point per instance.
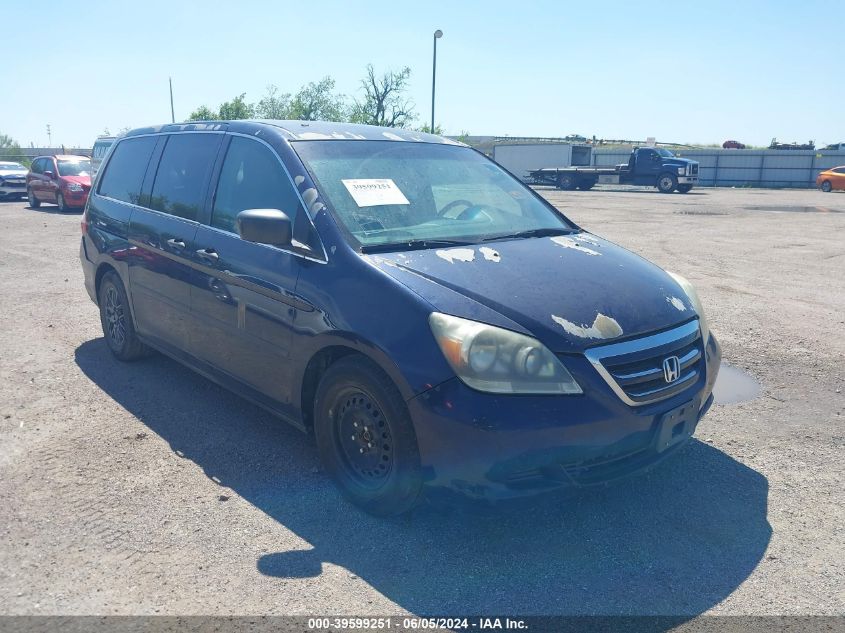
(49, 174)
(265, 226)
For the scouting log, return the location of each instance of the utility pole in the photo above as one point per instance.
(172, 114)
(437, 35)
(49, 136)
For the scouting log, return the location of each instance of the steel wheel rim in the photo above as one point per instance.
(115, 319)
(666, 182)
(363, 436)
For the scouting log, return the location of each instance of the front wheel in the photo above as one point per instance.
(667, 182)
(586, 185)
(60, 201)
(365, 437)
(684, 188)
(34, 202)
(118, 328)
(826, 186)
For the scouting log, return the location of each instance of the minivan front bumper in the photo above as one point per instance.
(491, 446)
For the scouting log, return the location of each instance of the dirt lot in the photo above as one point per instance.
(144, 488)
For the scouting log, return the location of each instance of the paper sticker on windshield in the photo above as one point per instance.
(373, 192)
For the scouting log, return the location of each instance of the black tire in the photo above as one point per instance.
(34, 202)
(684, 188)
(116, 319)
(365, 437)
(60, 202)
(826, 186)
(586, 185)
(567, 182)
(667, 182)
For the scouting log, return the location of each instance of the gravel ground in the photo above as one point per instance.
(143, 488)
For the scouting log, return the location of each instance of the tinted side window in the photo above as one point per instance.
(36, 166)
(252, 178)
(183, 173)
(125, 171)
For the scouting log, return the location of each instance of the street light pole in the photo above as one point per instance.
(172, 114)
(437, 35)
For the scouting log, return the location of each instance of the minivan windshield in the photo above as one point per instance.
(74, 167)
(396, 193)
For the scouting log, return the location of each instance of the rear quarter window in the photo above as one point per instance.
(125, 171)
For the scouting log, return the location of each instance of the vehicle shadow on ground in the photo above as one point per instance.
(677, 541)
(52, 209)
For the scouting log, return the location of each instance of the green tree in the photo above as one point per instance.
(202, 113)
(274, 105)
(318, 102)
(385, 102)
(438, 129)
(237, 108)
(10, 150)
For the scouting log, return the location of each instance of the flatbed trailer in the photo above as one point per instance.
(647, 167)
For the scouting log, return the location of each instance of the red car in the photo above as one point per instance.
(63, 180)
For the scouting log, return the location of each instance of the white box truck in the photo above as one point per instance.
(521, 158)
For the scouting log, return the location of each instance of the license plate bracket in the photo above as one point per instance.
(677, 425)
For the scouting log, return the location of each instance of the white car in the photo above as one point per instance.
(12, 181)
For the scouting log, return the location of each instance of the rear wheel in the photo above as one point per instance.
(34, 202)
(567, 182)
(667, 182)
(60, 201)
(684, 188)
(826, 186)
(365, 437)
(118, 328)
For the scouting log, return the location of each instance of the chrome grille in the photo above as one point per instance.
(634, 369)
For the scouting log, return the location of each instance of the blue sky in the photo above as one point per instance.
(680, 71)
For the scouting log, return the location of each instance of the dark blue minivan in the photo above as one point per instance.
(433, 322)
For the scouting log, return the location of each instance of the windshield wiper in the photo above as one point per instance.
(531, 233)
(411, 245)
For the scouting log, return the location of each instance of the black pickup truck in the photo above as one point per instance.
(648, 166)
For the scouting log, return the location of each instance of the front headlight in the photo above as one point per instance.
(495, 360)
(682, 170)
(74, 186)
(689, 289)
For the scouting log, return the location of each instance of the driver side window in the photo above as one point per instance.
(251, 178)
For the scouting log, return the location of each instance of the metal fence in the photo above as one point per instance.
(747, 168)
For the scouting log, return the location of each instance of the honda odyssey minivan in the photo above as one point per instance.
(432, 321)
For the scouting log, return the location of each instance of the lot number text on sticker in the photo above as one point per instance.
(373, 192)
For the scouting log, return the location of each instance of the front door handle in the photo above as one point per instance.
(208, 254)
(175, 242)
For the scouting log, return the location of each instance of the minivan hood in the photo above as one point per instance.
(569, 291)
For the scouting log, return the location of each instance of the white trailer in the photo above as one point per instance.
(521, 158)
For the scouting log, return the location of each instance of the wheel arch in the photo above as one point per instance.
(330, 352)
(102, 270)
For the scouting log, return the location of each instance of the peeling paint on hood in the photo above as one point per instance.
(676, 303)
(459, 254)
(603, 327)
(570, 242)
(536, 278)
(490, 254)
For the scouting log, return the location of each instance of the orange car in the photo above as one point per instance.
(833, 178)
